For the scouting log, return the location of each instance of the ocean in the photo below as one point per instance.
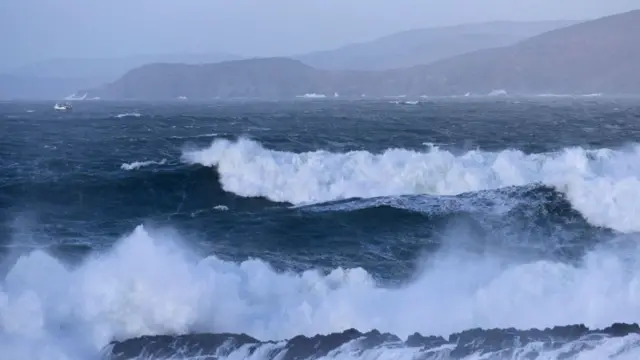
(481, 228)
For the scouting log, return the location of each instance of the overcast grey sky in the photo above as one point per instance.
(40, 29)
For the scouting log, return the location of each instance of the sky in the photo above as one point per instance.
(33, 30)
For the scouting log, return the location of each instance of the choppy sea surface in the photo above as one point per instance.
(447, 229)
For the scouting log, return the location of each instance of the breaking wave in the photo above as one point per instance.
(602, 184)
(151, 284)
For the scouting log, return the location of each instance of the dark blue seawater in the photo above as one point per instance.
(279, 219)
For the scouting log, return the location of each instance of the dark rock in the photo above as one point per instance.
(500, 343)
(164, 346)
(300, 347)
(417, 340)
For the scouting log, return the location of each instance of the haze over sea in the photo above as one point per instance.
(280, 219)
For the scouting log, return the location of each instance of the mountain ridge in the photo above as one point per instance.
(409, 47)
(587, 57)
(595, 56)
(421, 46)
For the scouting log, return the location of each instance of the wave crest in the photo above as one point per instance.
(603, 184)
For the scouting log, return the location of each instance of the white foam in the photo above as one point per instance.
(129, 114)
(603, 184)
(149, 284)
(140, 164)
(625, 348)
(569, 95)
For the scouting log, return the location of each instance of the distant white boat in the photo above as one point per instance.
(63, 107)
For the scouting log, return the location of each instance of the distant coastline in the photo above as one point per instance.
(600, 56)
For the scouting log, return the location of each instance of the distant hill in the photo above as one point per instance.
(270, 77)
(101, 70)
(423, 46)
(601, 55)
